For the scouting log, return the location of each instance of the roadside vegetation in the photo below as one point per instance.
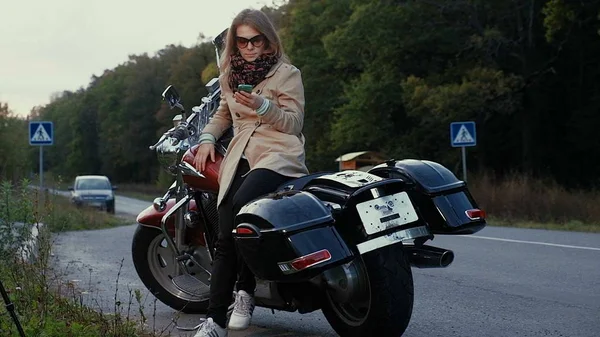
(45, 303)
(529, 202)
(510, 200)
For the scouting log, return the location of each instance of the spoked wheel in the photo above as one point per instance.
(155, 264)
(382, 295)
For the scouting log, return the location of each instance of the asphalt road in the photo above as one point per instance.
(503, 282)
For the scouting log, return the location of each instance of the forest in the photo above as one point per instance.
(380, 75)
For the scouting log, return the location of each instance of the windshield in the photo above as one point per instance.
(92, 184)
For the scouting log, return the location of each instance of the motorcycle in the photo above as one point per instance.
(341, 242)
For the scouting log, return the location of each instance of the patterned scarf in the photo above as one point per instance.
(244, 72)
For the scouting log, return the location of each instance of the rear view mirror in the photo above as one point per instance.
(172, 97)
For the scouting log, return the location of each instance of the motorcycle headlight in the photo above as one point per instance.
(167, 155)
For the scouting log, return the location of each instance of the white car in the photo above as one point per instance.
(94, 191)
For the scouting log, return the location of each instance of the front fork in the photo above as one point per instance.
(182, 198)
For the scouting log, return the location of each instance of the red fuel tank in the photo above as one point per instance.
(211, 172)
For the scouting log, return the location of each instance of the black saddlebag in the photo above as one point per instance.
(443, 200)
(289, 236)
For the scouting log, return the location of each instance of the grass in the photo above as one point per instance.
(62, 215)
(575, 225)
(45, 304)
(532, 202)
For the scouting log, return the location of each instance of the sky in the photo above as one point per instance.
(49, 46)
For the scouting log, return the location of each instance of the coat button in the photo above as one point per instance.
(237, 114)
(257, 123)
(258, 91)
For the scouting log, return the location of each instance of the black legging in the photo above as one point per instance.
(228, 263)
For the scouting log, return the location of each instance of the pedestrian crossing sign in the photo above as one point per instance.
(463, 134)
(41, 133)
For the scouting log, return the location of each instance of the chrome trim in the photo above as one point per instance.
(393, 238)
(159, 204)
(220, 148)
(375, 193)
(163, 222)
(332, 205)
(189, 170)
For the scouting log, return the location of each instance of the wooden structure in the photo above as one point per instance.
(362, 160)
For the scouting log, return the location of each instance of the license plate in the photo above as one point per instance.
(386, 212)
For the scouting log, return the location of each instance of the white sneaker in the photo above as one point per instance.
(242, 311)
(210, 329)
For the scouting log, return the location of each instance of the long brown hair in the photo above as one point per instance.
(259, 21)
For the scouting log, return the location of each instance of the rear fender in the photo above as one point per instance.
(152, 218)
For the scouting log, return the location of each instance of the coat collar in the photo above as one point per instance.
(274, 69)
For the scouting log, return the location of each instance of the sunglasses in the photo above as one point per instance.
(257, 41)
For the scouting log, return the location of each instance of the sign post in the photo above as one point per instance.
(463, 134)
(41, 134)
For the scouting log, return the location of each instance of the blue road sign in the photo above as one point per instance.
(463, 134)
(41, 133)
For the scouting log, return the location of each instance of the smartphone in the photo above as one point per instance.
(245, 87)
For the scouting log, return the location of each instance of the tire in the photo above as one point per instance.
(151, 258)
(388, 306)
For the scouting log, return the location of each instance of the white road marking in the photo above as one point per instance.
(529, 242)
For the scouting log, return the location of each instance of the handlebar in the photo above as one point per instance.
(178, 133)
(160, 141)
(193, 124)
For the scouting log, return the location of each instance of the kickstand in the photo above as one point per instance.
(183, 328)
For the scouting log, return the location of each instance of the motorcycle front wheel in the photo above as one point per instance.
(154, 263)
(384, 305)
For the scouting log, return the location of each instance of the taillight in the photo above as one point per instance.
(475, 214)
(243, 231)
(305, 261)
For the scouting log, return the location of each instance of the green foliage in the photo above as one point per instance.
(210, 71)
(386, 76)
(557, 15)
(305, 26)
(14, 145)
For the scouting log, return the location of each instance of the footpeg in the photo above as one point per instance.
(191, 286)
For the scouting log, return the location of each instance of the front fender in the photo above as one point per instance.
(150, 217)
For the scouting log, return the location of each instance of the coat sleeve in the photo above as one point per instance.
(221, 120)
(288, 115)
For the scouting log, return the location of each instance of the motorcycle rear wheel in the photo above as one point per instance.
(386, 308)
(153, 261)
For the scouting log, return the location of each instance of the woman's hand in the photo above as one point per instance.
(251, 100)
(204, 150)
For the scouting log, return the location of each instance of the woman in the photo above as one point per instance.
(267, 150)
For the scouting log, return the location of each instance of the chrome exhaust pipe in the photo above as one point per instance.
(428, 256)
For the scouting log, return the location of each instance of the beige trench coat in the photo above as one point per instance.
(274, 140)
